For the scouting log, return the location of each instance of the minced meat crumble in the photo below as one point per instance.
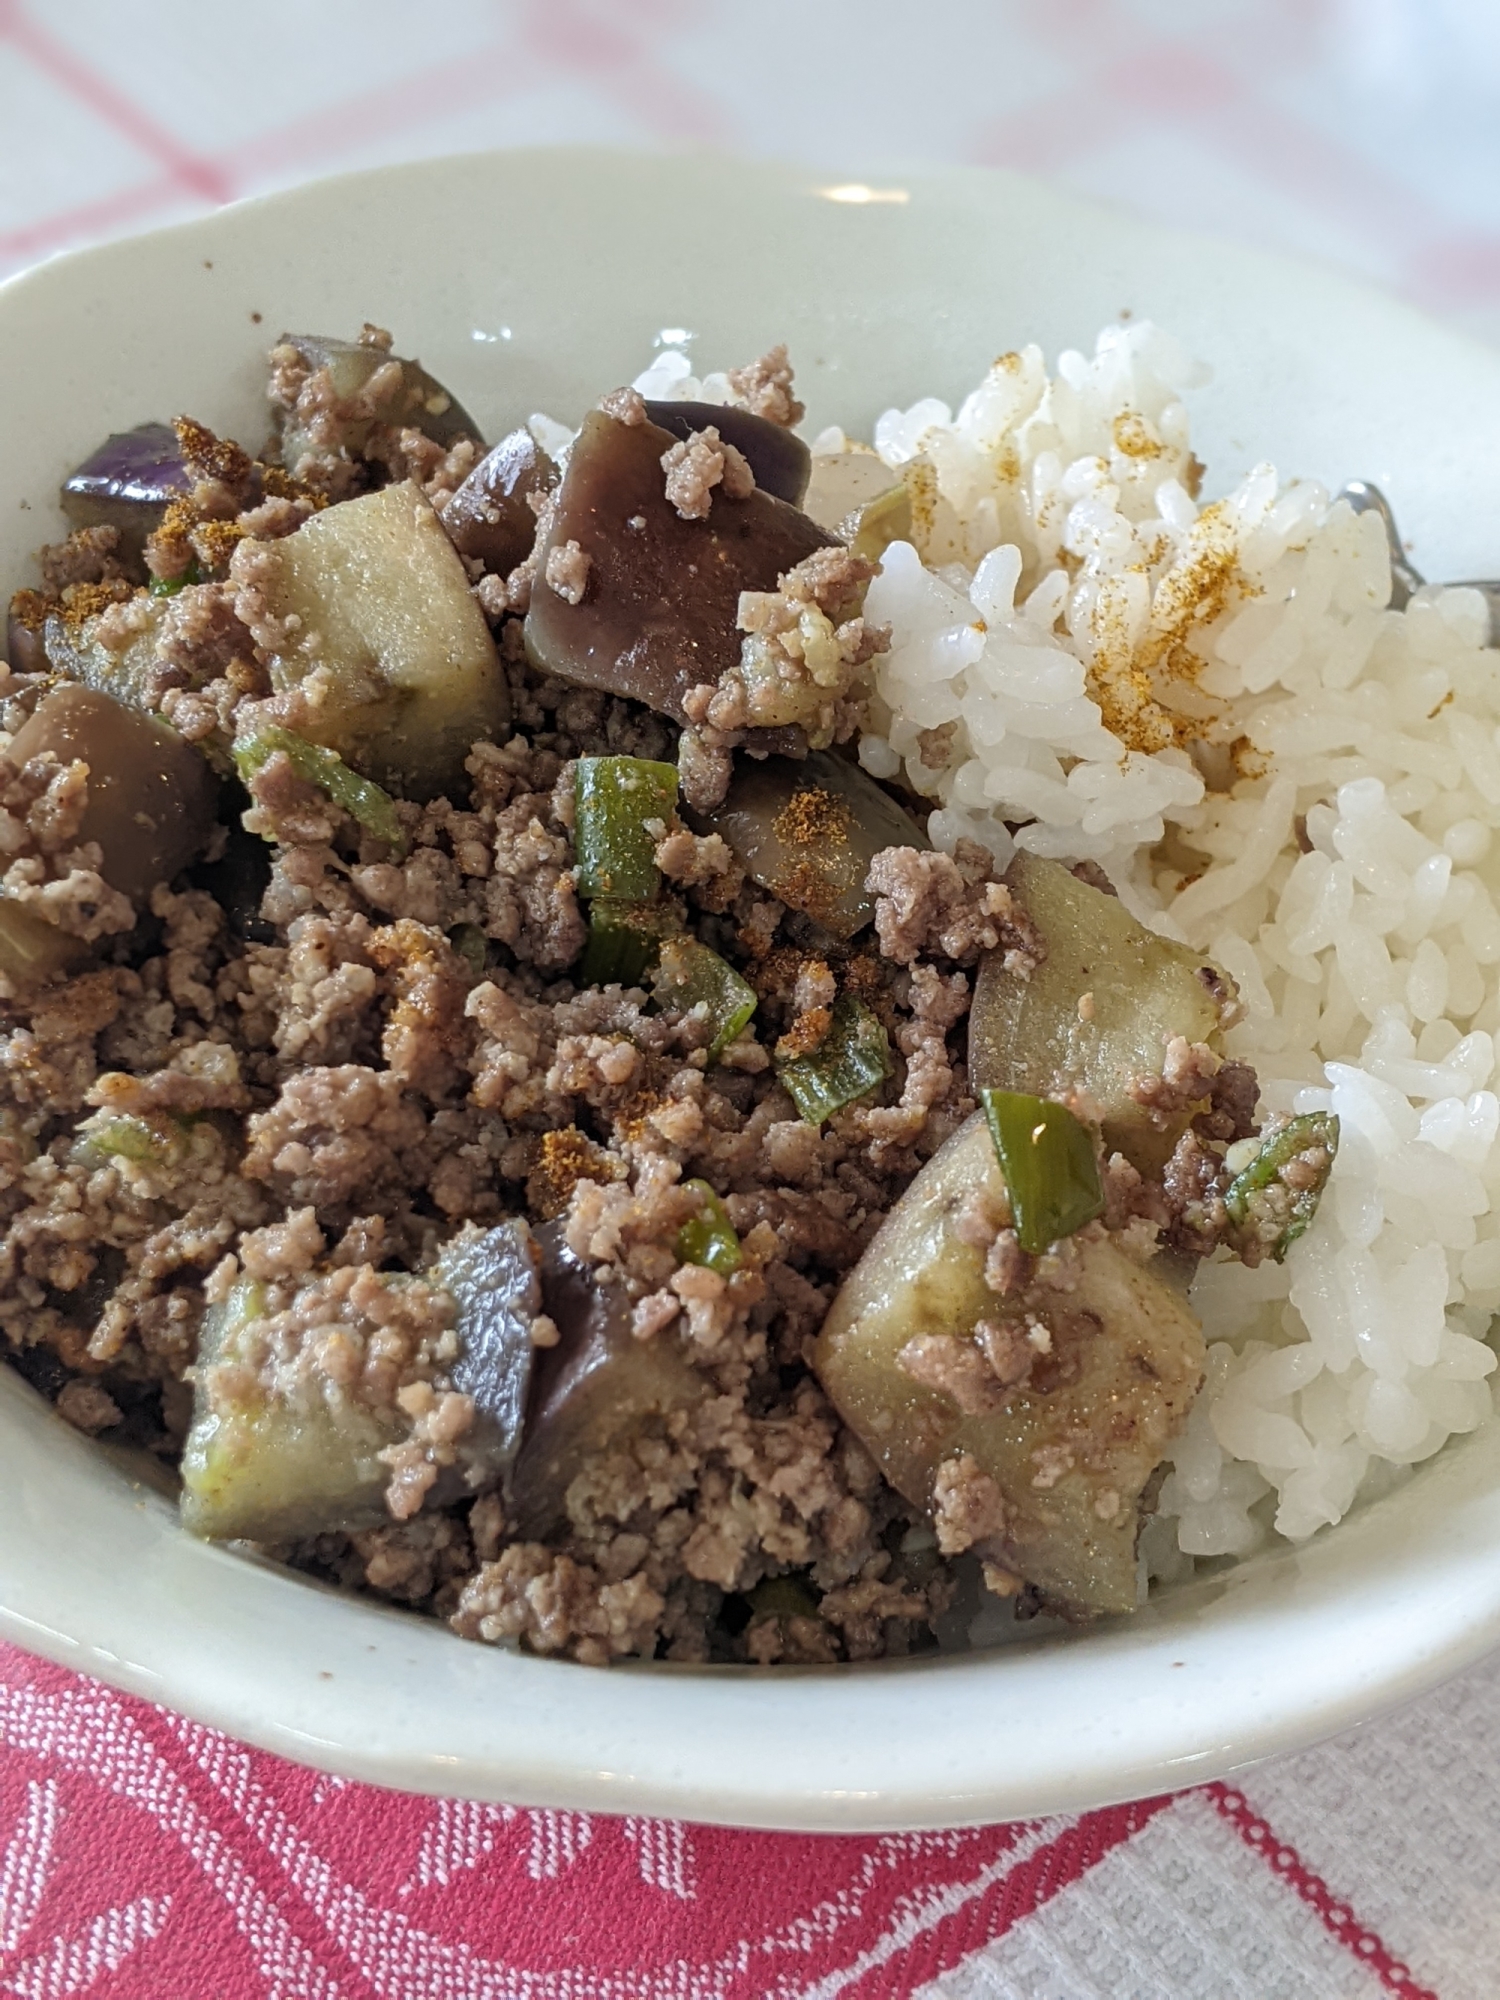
(244, 1137)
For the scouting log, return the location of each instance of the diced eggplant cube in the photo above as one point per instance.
(127, 672)
(128, 483)
(1073, 1449)
(658, 614)
(493, 1277)
(379, 622)
(1030, 1034)
(488, 519)
(808, 830)
(418, 401)
(264, 1469)
(151, 797)
(594, 1390)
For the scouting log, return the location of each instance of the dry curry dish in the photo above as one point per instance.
(500, 1100)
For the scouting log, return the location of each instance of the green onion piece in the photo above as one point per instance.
(790, 1596)
(853, 1058)
(359, 797)
(710, 1238)
(624, 939)
(613, 798)
(127, 1137)
(168, 586)
(1048, 1162)
(688, 976)
(471, 945)
(1276, 1205)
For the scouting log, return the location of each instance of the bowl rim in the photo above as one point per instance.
(1229, 1669)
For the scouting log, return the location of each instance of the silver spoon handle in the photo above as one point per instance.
(1405, 576)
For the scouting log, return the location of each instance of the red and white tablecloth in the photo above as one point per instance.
(143, 1858)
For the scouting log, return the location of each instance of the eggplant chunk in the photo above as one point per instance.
(406, 675)
(128, 672)
(259, 1469)
(1073, 1448)
(781, 462)
(593, 1391)
(658, 612)
(1031, 1034)
(807, 831)
(266, 1467)
(152, 798)
(128, 483)
(856, 496)
(489, 518)
(415, 399)
(493, 1278)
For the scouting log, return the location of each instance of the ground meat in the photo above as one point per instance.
(567, 572)
(764, 387)
(931, 904)
(87, 556)
(695, 465)
(958, 1369)
(338, 1138)
(1187, 1074)
(803, 656)
(558, 1605)
(967, 1505)
(703, 771)
(87, 1406)
(702, 862)
(626, 406)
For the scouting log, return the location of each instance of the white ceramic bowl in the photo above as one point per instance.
(533, 281)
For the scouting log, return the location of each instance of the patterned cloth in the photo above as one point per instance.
(144, 1858)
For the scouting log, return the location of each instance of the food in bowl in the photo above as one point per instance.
(609, 1038)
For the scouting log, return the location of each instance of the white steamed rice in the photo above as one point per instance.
(1063, 577)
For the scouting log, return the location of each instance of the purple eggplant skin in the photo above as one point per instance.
(489, 519)
(152, 798)
(781, 462)
(493, 1277)
(659, 612)
(127, 483)
(25, 647)
(591, 1392)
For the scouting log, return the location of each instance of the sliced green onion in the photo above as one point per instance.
(1261, 1199)
(710, 1238)
(790, 1596)
(624, 939)
(852, 1059)
(689, 976)
(359, 797)
(613, 798)
(471, 945)
(124, 1136)
(1047, 1158)
(168, 586)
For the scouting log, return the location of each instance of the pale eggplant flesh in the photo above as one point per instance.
(1028, 1033)
(1073, 1452)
